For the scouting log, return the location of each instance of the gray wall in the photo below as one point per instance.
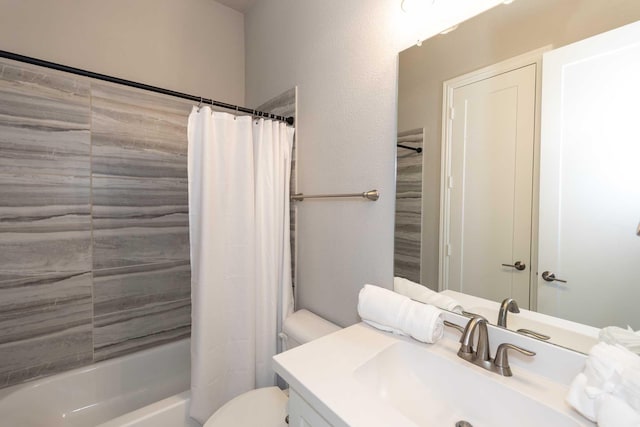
(497, 35)
(408, 218)
(94, 258)
(342, 56)
(192, 46)
(94, 237)
(93, 201)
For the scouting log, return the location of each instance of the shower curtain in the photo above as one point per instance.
(239, 173)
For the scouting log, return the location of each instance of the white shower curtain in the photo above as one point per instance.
(239, 173)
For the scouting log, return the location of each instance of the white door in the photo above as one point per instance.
(590, 180)
(490, 186)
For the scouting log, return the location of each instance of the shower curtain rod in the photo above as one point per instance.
(416, 149)
(111, 79)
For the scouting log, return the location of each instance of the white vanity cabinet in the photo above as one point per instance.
(301, 414)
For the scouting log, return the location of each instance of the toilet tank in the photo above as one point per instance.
(304, 326)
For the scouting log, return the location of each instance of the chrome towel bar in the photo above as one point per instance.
(372, 195)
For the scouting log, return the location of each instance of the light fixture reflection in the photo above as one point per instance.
(450, 29)
(415, 6)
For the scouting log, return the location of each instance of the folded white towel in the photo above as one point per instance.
(610, 371)
(615, 412)
(625, 337)
(392, 312)
(421, 293)
(583, 402)
(630, 388)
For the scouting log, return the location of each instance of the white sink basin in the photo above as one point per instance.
(431, 390)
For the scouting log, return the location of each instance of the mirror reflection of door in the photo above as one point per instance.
(488, 176)
(590, 181)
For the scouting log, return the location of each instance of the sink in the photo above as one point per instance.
(433, 390)
(362, 377)
(561, 332)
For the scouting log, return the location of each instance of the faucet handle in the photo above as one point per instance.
(501, 361)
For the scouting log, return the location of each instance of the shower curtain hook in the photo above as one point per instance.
(200, 104)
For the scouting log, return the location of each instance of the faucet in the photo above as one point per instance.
(508, 305)
(482, 357)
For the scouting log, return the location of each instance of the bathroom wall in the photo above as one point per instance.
(93, 221)
(343, 57)
(93, 201)
(192, 46)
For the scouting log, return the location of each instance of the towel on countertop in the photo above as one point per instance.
(421, 293)
(615, 412)
(392, 312)
(625, 337)
(608, 388)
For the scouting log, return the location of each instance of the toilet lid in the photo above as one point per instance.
(263, 407)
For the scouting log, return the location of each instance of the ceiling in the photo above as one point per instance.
(239, 5)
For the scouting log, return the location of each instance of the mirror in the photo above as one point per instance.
(473, 220)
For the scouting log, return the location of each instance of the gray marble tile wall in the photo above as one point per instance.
(94, 249)
(285, 105)
(94, 235)
(408, 218)
(141, 272)
(45, 208)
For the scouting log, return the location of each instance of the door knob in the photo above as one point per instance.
(517, 265)
(550, 277)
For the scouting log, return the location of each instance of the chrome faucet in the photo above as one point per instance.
(482, 357)
(508, 305)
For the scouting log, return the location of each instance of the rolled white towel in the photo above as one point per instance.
(392, 312)
(625, 337)
(421, 293)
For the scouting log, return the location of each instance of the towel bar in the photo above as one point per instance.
(372, 195)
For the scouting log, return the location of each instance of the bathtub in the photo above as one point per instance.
(148, 388)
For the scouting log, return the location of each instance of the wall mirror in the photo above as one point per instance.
(527, 184)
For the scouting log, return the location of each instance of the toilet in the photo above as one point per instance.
(267, 407)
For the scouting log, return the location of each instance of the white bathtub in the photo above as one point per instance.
(148, 388)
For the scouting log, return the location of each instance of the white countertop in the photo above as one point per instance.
(322, 373)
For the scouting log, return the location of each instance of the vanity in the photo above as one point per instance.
(363, 377)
